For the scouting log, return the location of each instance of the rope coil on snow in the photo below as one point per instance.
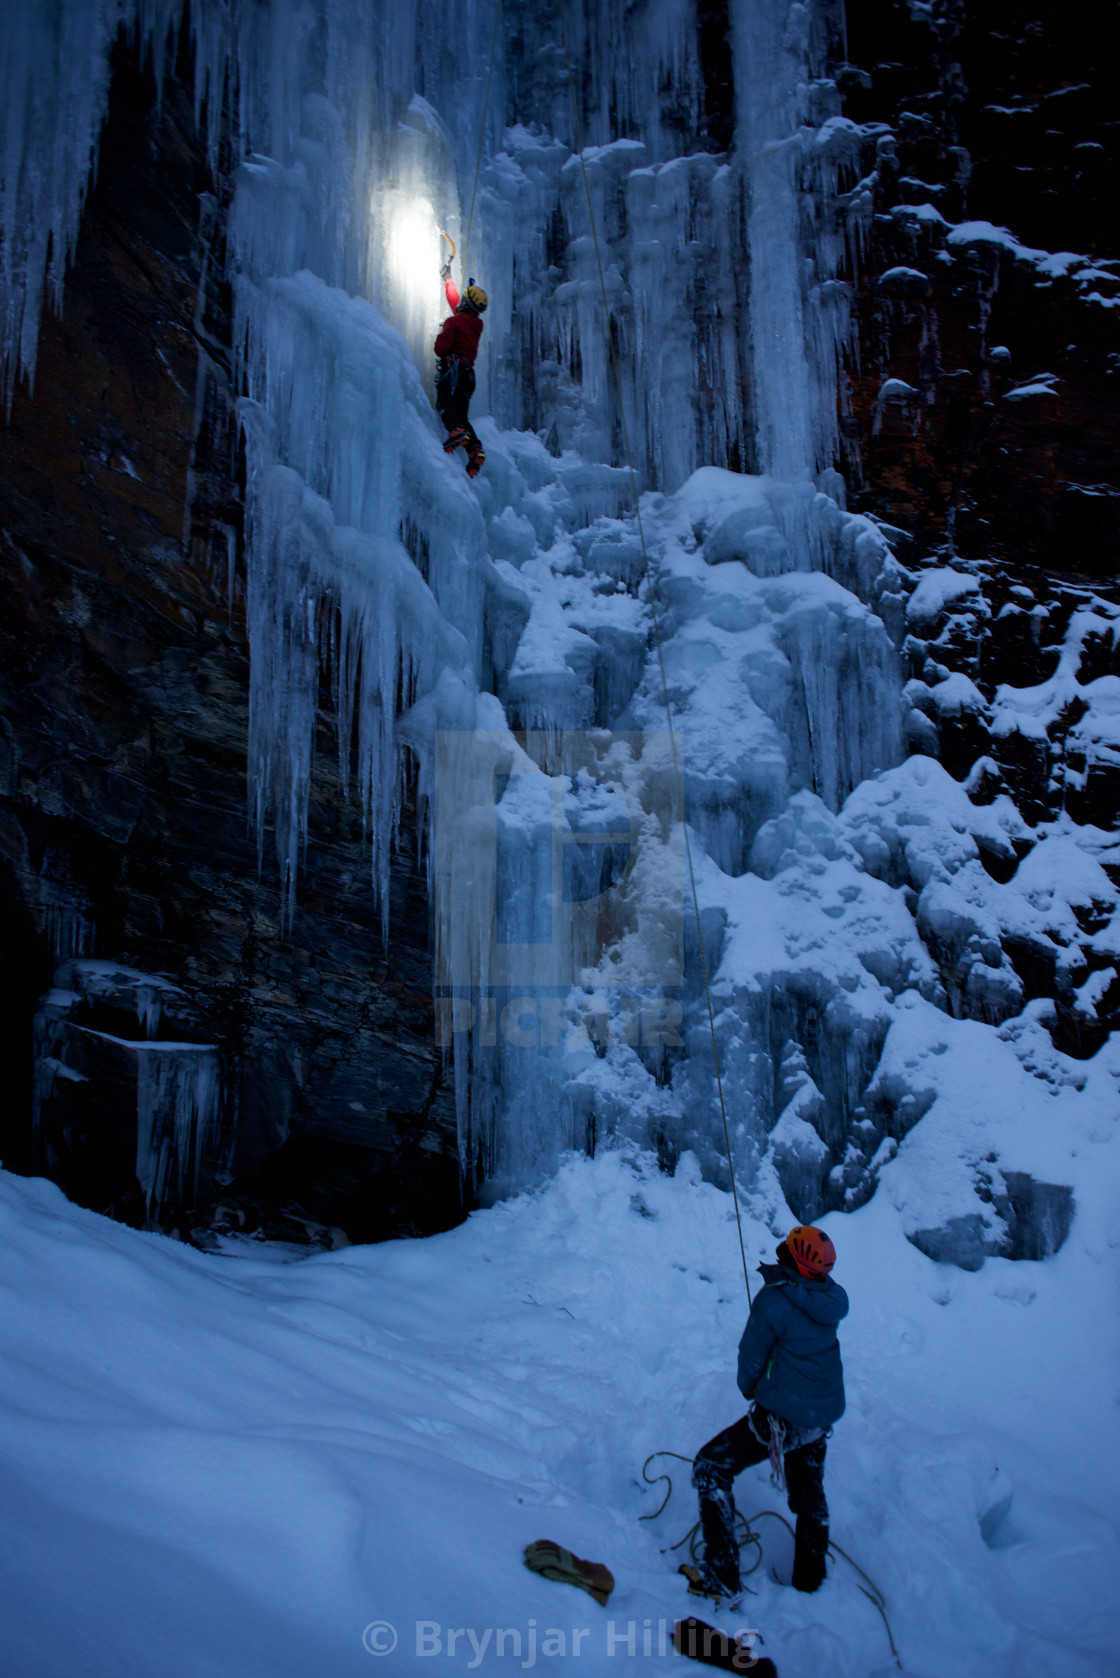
(869, 1588)
(657, 641)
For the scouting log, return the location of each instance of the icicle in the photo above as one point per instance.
(54, 87)
(54, 82)
(770, 48)
(178, 1106)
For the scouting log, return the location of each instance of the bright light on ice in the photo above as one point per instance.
(410, 260)
(413, 246)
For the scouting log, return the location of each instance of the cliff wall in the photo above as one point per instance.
(978, 424)
(124, 833)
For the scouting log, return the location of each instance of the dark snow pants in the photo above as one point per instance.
(454, 390)
(715, 1467)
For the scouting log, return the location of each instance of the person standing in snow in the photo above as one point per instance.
(457, 347)
(789, 1366)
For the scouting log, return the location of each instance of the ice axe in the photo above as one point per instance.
(445, 271)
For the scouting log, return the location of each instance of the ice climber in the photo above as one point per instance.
(457, 347)
(789, 1366)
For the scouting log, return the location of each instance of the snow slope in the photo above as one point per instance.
(222, 1465)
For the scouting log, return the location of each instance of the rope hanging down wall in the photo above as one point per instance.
(646, 562)
(652, 598)
(868, 1587)
(481, 139)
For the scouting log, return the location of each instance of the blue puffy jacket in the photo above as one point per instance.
(789, 1356)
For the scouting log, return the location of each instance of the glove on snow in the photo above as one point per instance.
(554, 1562)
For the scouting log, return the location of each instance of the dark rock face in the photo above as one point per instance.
(129, 1112)
(983, 406)
(982, 423)
(123, 720)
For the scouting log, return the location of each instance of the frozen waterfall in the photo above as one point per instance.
(449, 615)
(495, 638)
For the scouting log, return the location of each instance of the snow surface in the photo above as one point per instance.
(226, 1466)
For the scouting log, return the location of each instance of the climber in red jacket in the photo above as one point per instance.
(456, 347)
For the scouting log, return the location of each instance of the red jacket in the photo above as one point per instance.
(460, 333)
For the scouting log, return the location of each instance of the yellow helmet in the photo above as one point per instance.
(476, 297)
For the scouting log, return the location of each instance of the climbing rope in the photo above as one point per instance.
(657, 1478)
(651, 593)
(481, 141)
(692, 1537)
(650, 590)
(745, 1533)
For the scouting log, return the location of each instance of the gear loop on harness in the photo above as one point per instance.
(775, 1441)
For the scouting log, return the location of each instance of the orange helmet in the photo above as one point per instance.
(811, 1250)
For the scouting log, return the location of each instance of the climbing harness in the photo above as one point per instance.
(657, 641)
(745, 1534)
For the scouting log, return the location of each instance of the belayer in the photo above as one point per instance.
(456, 348)
(789, 1366)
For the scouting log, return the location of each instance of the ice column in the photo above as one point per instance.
(348, 491)
(771, 43)
(54, 80)
(54, 86)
